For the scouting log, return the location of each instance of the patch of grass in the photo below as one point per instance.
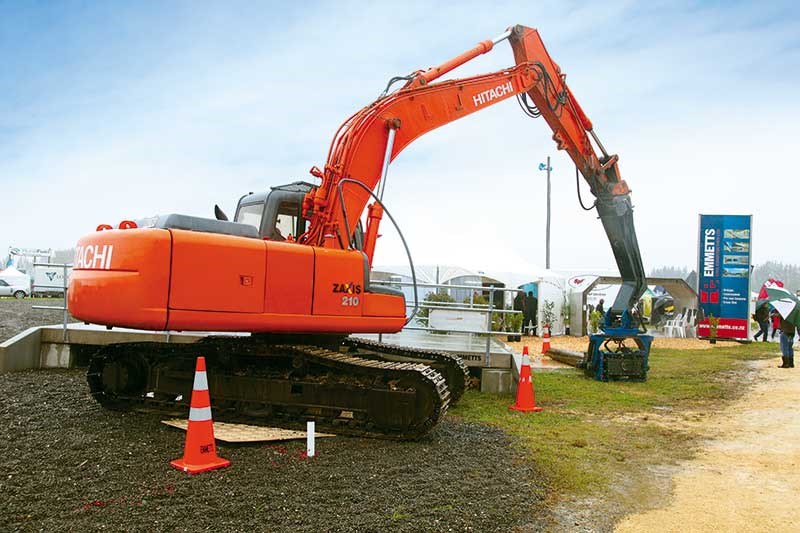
(398, 514)
(591, 431)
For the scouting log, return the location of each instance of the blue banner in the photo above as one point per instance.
(723, 274)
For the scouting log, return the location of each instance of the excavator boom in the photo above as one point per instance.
(369, 140)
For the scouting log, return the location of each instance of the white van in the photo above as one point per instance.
(49, 280)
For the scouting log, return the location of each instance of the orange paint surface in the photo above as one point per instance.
(290, 278)
(338, 282)
(212, 272)
(132, 291)
(224, 283)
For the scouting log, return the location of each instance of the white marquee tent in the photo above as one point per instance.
(14, 277)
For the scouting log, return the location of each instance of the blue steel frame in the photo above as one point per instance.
(598, 355)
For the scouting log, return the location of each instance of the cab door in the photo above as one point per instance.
(282, 217)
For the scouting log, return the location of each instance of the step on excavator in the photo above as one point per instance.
(296, 274)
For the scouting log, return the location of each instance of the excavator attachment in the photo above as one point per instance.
(616, 214)
(622, 350)
(618, 355)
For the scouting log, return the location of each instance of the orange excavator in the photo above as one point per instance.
(296, 272)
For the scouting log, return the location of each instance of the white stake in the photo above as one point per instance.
(310, 438)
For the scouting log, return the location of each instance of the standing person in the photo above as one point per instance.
(526, 315)
(776, 322)
(519, 305)
(600, 308)
(762, 317)
(787, 339)
(519, 301)
(531, 307)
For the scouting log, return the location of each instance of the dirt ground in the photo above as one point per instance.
(579, 344)
(747, 476)
(18, 315)
(68, 464)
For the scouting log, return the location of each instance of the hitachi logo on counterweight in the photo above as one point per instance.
(93, 256)
(493, 94)
(709, 249)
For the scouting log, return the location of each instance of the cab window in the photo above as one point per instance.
(286, 222)
(251, 214)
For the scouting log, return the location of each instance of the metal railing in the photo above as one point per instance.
(62, 287)
(490, 308)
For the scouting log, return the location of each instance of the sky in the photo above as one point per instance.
(118, 110)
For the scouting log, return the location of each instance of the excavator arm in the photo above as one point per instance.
(369, 140)
(571, 127)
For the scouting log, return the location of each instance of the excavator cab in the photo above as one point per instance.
(277, 214)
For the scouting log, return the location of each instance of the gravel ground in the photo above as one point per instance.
(18, 315)
(67, 464)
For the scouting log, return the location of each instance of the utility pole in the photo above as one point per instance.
(548, 168)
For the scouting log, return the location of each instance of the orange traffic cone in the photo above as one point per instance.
(546, 339)
(200, 451)
(526, 402)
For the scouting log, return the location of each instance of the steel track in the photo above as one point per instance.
(258, 382)
(452, 367)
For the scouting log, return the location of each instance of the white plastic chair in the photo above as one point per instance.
(668, 326)
(683, 325)
(690, 330)
(671, 326)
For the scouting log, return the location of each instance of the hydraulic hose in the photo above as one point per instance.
(396, 226)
